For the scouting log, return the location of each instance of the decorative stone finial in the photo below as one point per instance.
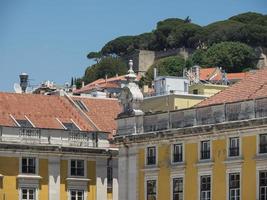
(131, 75)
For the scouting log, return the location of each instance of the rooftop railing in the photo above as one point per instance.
(214, 114)
(68, 138)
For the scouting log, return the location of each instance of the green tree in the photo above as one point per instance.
(170, 66)
(109, 66)
(231, 56)
(96, 56)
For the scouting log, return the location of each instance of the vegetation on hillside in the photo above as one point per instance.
(225, 44)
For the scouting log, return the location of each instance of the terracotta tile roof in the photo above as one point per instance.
(254, 85)
(214, 74)
(205, 73)
(102, 111)
(113, 82)
(43, 111)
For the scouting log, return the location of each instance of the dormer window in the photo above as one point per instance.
(70, 126)
(24, 123)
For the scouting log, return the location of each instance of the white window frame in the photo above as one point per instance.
(228, 172)
(258, 145)
(29, 187)
(204, 173)
(262, 167)
(77, 189)
(174, 176)
(156, 154)
(149, 178)
(199, 150)
(36, 164)
(85, 168)
(183, 153)
(228, 147)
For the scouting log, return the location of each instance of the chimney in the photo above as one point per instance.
(106, 78)
(23, 82)
(155, 73)
(82, 83)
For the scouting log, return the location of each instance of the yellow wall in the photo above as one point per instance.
(206, 89)
(169, 102)
(91, 173)
(219, 153)
(160, 103)
(219, 170)
(190, 182)
(186, 102)
(248, 179)
(63, 176)
(164, 173)
(9, 167)
(43, 171)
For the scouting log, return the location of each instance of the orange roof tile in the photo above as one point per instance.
(254, 85)
(43, 111)
(102, 83)
(205, 73)
(102, 111)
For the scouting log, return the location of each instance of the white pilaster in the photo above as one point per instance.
(101, 179)
(132, 174)
(123, 173)
(54, 178)
(115, 186)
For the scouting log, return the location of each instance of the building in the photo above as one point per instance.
(215, 150)
(108, 87)
(170, 93)
(57, 147)
(206, 89)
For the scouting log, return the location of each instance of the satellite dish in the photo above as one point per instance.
(17, 88)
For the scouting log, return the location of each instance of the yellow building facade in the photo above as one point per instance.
(215, 152)
(170, 102)
(42, 167)
(206, 89)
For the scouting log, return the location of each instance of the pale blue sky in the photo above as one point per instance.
(49, 39)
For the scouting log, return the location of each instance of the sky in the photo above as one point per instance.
(49, 39)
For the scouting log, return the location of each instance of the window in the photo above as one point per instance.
(28, 193)
(177, 153)
(263, 143)
(151, 156)
(24, 123)
(70, 126)
(195, 91)
(151, 190)
(77, 168)
(28, 165)
(205, 187)
(177, 188)
(234, 146)
(205, 150)
(81, 105)
(234, 186)
(109, 173)
(263, 185)
(76, 195)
